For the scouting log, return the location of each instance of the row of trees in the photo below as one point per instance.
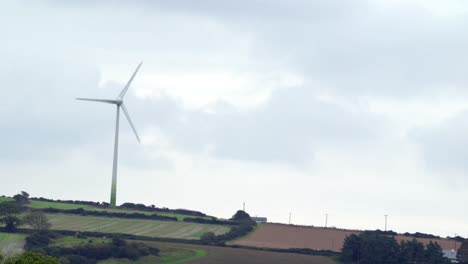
(371, 247)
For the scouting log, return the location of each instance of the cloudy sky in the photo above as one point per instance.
(352, 108)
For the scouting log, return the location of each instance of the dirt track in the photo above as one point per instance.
(286, 236)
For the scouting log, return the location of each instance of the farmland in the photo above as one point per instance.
(288, 236)
(226, 255)
(5, 199)
(150, 228)
(60, 205)
(36, 204)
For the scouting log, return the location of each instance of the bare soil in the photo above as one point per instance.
(318, 238)
(226, 255)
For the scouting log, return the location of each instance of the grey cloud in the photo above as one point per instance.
(287, 129)
(445, 146)
(350, 47)
(39, 114)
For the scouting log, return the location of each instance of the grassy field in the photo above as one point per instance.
(11, 243)
(5, 199)
(60, 205)
(141, 227)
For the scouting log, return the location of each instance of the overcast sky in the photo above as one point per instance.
(352, 108)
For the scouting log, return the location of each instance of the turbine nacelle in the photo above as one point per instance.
(119, 101)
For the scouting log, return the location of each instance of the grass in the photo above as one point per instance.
(150, 228)
(11, 243)
(67, 206)
(181, 255)
(5, 199)
(60, 205)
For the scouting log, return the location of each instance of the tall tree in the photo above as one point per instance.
(38, 221)
(462, 253)
(434, 254)
(9, 215)
(351, 251)
(412, 251)
(22, 198)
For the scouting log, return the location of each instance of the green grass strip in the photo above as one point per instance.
(199, 253)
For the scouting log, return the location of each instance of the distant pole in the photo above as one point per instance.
(289, 218)
(386, 223)
(455, 242)
(243, 207)
(326, 220)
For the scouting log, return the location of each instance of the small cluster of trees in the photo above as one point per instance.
(22, 198)
(371, 247)
(89, 253)
(420, 235)
(9, 216)
(153, 208)
(245, 225)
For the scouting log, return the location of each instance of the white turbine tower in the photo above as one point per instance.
(119, 103)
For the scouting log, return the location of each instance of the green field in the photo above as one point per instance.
(5, 199)
(11, 243)
(151, 228)
(67, 206)
(60, 205)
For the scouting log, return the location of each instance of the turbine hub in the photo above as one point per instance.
(119, 101)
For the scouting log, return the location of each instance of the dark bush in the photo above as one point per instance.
(212, 221)
(37, 240)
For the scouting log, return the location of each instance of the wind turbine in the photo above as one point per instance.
(120, 105)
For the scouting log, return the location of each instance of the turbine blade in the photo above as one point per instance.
(98, 100)
(130, 121)
(124, 90)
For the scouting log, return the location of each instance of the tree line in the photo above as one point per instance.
(371, 247)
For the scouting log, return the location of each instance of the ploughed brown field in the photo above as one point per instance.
(290, 236)
(226, 255)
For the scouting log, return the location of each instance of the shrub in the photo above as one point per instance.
(32, 258)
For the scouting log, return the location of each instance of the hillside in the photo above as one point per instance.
(139, 227)
(290, 236)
